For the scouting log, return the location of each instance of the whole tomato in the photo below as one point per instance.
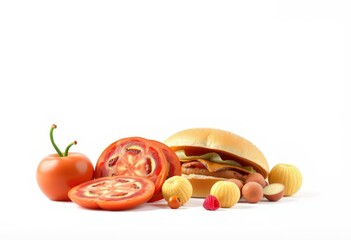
(58, 173)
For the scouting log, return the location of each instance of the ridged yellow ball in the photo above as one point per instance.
(177, 186)
(288, 175)
(227, 193)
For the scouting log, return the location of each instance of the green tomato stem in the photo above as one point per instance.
(68, 147)
(52, 140)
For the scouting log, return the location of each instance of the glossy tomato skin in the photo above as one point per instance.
(113, 193)
(57, 175)
(134, 156)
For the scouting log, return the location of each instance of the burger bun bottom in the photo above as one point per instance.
(202, 184)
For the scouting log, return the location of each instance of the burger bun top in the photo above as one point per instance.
(229, 145)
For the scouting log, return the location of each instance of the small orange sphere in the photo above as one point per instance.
(174, 202)
(252, 192)
(256, 177)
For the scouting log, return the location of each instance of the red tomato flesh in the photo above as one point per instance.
(134, 156)
(113, 193)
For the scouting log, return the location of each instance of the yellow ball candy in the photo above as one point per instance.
(227, 193)
(288, 175)
(177, 186)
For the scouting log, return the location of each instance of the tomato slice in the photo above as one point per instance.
(113, 193)
(174, 165)
(134, 156)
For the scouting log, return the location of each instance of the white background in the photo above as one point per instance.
(274, 72)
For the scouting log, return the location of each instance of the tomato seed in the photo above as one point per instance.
(112, 162)
(119, 194)
(99, 184)
(122, 180)
(133, 151)
(148, 166)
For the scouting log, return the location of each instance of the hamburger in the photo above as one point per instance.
(208, 155)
